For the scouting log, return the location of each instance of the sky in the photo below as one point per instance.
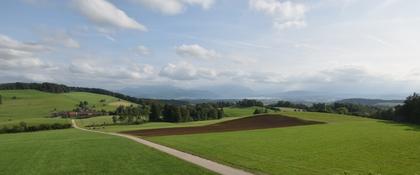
(337, 46)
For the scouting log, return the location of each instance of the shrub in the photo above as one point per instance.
(24, 127)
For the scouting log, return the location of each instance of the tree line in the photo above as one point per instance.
(131, 114)
(249, 103)
(408, 112)
(24, 127)
(60, 88)
(157, 112)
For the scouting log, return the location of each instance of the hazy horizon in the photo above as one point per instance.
(350, 47)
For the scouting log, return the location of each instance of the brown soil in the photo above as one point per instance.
(248, 123)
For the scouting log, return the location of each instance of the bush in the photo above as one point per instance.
(24, 127)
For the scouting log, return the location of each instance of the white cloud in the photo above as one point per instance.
(103, 12)
(205, 4)
(186, 71)
(285, 14)
(9, 43)
(85, 68)
(15, 55)
(196, 51)
(61, 38)
(142, 50)
(173, 7)
(243, 60)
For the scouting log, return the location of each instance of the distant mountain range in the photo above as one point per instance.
(239, 92)
(172, 92)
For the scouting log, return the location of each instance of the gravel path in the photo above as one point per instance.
(205, 163)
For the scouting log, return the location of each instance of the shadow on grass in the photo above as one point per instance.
(409, 126)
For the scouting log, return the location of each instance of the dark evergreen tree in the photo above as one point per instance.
(410, 110)
(155, 112)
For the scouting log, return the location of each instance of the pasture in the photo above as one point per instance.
(73, 151)
(34, 106)
(345, 145)
(231, 113)
(150, 125)
(239, 112)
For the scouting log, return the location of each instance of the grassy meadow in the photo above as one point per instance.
(345, 145)
(35, 107)
(231, 113)
(150, 125)
(73, 151)
(239, 112)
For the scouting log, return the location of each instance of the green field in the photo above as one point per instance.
(345, 145)
(239, 112)
(72, 151)
(34, 106)
(150, 125)
(230, 114)
(351, 145)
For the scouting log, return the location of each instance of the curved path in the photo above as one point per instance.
(205, 163)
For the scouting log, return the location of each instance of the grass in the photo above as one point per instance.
(78, 152)
(286, 109)
(239, 112)
(346, 144)
(35, 106)
(150, 125)
(230, 114)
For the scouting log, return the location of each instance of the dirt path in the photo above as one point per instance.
(208, 164)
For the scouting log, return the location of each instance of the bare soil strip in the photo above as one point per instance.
(248, 123)
(205, 163)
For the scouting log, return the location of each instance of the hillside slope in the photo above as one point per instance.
(34, 106)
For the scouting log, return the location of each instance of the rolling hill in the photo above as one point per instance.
(33, 106)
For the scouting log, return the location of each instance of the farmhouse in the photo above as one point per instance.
(79, 114)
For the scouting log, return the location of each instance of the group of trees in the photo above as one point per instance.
(347, 108)
(157, 112)
(408, 112)
(288, 104)
(131, 114)
(83, 105)
(249, 103)
(46, 87)
(185, 113)
(339, 108)
(260, 111)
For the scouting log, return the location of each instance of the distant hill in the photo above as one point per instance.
(60, 88)
(372, 102)
(229, 91)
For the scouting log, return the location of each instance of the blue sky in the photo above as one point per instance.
(351, 46)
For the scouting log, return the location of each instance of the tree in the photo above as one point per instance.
(258, 111)
(155, 112)
(220, 113)
(410, 110)
(342, 110)
(185, 114)
(114, 119)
